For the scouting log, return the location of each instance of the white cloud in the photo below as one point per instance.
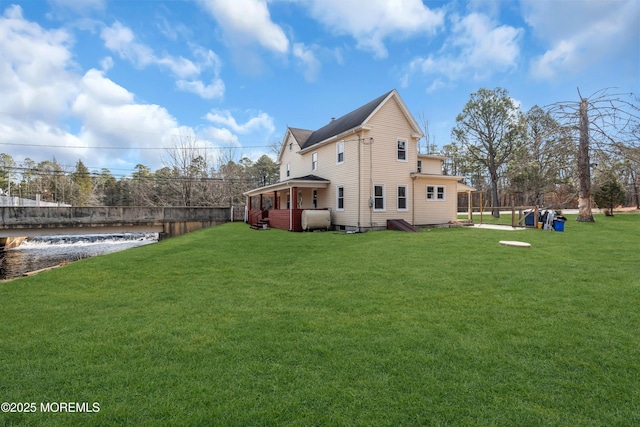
(477, 48)
(109, 109)
(112, 118)
(220, 136)
(246, 22)
(483, 45)
(79, 6)
(214, 90)
(260, 122)
(370, 22)
(102, 91)
(35, 64)
(308, 61)
(581, 34)
(121, 40)
(106, 63)
(41, 90)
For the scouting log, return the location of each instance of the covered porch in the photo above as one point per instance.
(280, 205)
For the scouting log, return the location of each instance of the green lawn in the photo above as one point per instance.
(229, 326)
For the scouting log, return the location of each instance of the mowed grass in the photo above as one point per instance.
(229, 326)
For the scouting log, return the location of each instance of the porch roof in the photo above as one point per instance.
(464, 188)
(307, 181)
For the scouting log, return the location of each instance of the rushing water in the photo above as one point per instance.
(36, 253)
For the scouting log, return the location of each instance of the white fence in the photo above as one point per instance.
(17, 201)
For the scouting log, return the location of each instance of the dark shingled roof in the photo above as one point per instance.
(301, 135)
(344, 123)
(308, 178)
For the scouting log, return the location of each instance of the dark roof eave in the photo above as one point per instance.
(334, 138)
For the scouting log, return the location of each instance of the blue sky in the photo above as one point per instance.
(114, 83)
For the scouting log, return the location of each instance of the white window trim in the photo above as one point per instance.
(288, 169)
(338, 208)
(384, 198)
(406, 198)
(406, 151)
(435, 193)
(314, 161)
(339, 145)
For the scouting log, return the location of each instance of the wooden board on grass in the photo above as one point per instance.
(515, 243)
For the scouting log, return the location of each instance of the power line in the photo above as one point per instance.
(230, 147)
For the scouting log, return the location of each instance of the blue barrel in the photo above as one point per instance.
(558, 225)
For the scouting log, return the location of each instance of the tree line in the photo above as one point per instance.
(547, 156)
(187, 178)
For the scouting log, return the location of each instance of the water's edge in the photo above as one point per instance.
(37, 253)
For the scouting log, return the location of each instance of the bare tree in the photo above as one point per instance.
(189, 160)
(607, 122)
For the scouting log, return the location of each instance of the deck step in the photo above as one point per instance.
(262, 224)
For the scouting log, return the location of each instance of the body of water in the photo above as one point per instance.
(36, 253)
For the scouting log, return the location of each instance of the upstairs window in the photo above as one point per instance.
(340, 152)
(288, 169)
(290, 146)
(419, 166)
(402, 150)
(314, 161)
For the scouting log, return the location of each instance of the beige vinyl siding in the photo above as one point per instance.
(431, 166)
(435, 211)
(387, 127)
(289, 156)
(345, 174)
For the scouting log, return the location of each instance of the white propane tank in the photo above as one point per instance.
(315, 219)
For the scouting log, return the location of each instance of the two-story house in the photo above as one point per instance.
(364, 168)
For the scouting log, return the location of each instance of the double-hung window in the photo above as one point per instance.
(314, 161)
(436, 193)
(288, 169)
(402, 150)
(340, 152)
(378, 197)
(402, 198)
(419, 166)
(340, 198)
